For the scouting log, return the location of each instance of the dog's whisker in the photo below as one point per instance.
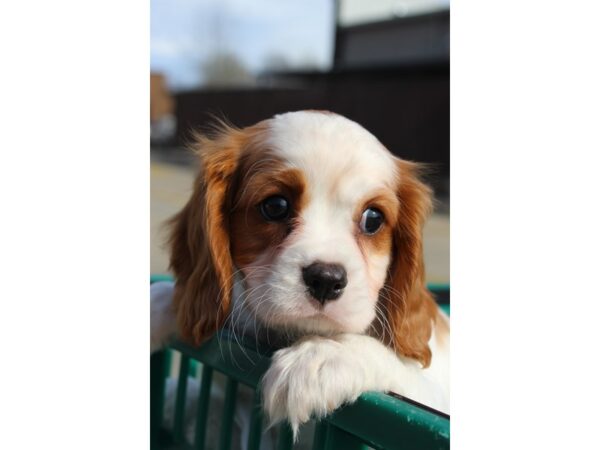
(244, 297)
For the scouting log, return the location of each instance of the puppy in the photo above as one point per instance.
(305, 230)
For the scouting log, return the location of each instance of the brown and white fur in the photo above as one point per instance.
(232, 266)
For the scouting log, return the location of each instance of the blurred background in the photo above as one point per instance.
(382, 63)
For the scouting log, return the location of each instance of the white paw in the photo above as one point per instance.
(310, 379)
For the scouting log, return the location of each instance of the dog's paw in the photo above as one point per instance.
(310, 379)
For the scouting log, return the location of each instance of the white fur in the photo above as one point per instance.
(439, 369)
(317, 375)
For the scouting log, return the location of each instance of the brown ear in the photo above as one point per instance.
(200, 253)
(409, 305)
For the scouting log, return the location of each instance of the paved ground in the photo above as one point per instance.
(171, 183)
(170, 187)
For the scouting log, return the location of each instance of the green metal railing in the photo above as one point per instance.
(375, 420)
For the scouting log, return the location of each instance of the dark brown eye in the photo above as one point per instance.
(275, 208)
(371, 221)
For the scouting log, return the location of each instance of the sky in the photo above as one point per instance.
(184, 33)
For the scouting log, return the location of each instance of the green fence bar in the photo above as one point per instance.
(255, 423)
(158, 373)
(184, 367)
(229, 358)
(338, 439)
(383, 421)
(320, 437)
(228, 414)
(286, 438)
(203, 403)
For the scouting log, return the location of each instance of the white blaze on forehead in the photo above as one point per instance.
(337, 156)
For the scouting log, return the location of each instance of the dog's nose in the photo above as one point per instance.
(325, 281)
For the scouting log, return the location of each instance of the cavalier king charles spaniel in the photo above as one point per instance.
(306, 227)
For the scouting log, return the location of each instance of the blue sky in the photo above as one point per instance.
(185, 32)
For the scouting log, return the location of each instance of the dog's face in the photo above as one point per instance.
(312, 221)
(319, 219)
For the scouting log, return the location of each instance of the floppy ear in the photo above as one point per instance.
(200, 253)
(410, 307)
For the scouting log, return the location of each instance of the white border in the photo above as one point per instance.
(525, 118)
(74, 239)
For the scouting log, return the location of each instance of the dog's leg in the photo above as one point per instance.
(317, 375)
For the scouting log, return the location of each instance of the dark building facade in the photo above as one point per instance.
(392, 77)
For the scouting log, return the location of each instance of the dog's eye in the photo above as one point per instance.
(371, 221)
(275, 208)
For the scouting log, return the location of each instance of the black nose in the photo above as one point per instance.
(325, 281)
